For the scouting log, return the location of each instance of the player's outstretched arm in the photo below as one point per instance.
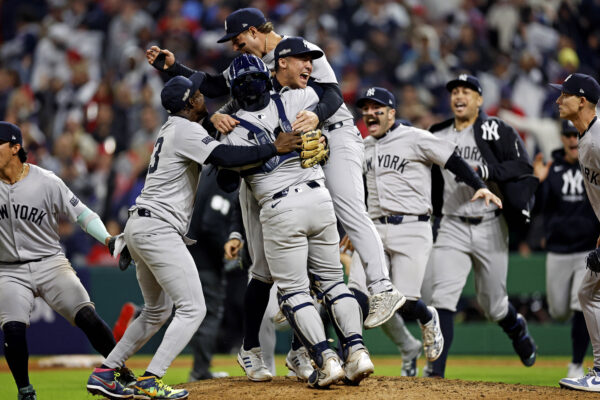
(161, 59)
(540, 170)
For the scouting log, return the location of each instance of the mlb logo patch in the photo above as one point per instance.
(207, 140)
(74, 201)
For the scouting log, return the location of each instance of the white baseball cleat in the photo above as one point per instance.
(588, 383)
(358, 366)
(409, 359)
(433, 341)
(382, 307)
(299, 363)
(332, 372)
(574, 370)
(253, 365)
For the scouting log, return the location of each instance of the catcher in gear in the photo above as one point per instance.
(314, 149)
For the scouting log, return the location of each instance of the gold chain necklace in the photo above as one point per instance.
(18, 178)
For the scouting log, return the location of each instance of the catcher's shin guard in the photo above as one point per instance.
(344, 312)
(304, 318)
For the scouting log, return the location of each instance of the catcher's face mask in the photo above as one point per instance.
(251, 91)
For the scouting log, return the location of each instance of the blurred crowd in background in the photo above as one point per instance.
(74, 77)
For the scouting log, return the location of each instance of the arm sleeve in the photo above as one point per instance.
(457, 165)
(237, 156)
(329, 101)
(214, 85)
(236, 227)
(178, 69)
(91, 223)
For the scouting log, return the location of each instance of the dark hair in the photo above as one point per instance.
(22, 152)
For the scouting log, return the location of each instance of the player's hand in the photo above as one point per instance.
(224, 123)
(346, 245)
(232, 248)
(487, 196)
(287, 142)
(160, 58)
(540, 170)
(305, 121)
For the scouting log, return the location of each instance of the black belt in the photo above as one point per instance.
(144, 212)
(19, 262)
(397, 219)
(284, 192)
(478, 220)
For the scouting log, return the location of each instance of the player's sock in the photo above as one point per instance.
(580, 337)
(147, 373)
(15, 351)
(363, 302)
(509, 322)
(416, 309)
(296, 343)
(255, 304)
(447, 327)
(96, 330)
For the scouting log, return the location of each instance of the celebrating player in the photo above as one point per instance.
(298, 223)
(155, 234)
(577, 103)
(562, 201)
(398, 161)
(32, 263)
(474, 233)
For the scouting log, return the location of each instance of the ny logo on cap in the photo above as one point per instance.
(568, 77)
(244, 25)
(305, 43)
(371, 92)
(186, 95)
(13, 137)
(463, 77)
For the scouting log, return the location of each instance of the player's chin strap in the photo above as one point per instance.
(263, 137)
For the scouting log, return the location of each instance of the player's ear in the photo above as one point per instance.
(282, 63)
(392, 112)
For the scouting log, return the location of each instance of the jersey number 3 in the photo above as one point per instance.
(157, 148)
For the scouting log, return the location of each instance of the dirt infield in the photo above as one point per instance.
(379, 387)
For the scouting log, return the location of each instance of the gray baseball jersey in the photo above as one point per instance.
(589, 162)
(165, 269)
(398, 173)
(461, 243)
(31, 260)
(181, 147)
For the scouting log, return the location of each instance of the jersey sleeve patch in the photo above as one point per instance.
(207, 140)
(74, 201)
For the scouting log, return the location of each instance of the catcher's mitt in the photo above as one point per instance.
(592, 261)
(313, 151)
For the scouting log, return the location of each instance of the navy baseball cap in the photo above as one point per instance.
(241, 20)
(568, 127)
(179, 90)
(465, 80)
(379, 95)
(10, 133)
(580, 85)
(295, 46)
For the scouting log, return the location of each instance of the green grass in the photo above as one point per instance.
(70, 384)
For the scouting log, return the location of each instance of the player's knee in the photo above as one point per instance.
(13, 329)
(584, 295)
(560, 314)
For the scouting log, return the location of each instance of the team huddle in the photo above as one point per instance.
(288, 143)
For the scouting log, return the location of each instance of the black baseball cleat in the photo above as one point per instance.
(523, 343)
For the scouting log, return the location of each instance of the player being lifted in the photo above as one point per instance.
(155, 235)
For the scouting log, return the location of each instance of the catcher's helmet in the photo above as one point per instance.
(250, 82)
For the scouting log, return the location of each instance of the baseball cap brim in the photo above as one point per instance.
(459, 82)
(228, 36)
(560, 87)
(361, 101)
(314, 54)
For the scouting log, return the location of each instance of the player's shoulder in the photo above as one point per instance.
(42, 173)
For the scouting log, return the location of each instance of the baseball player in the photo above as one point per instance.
(250, 33)
(562, 201)
(398, 161)
(247, 29)
(298, 223)
(474, 234)
(155, 234)
(577, 103)
(32, 263)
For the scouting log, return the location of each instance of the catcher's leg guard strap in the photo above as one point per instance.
(300, 311)
(344, 312)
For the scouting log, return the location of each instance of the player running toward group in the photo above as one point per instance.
(155, 235)
(32, 263)
(577, 103)
(473, 234)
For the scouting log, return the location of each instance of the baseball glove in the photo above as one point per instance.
(313, 151)
(592, 261)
